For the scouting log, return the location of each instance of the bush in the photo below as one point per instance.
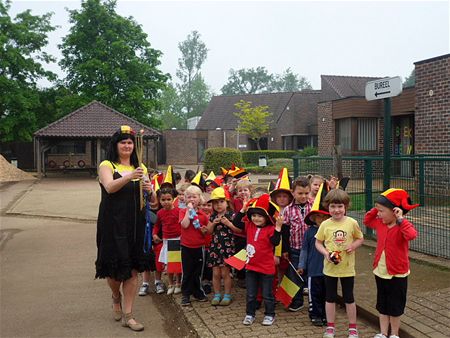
(309, 151)
(252, 156)
(221, 157)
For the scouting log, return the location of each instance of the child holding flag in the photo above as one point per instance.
(222, 245)
(263, 234)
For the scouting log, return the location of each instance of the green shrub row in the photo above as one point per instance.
(221, 157)
(252, 156)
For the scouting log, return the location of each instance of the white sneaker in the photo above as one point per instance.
(329, 332)
(159, 288)
(170, 289)
(143, 290)
(268, 320)
(177, 289)
(353, 333)
(248, 320)
(393, 336)
(380, 335)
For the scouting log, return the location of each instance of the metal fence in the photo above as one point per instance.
(426, 178)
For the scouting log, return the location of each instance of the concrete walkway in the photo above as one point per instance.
(73, 204)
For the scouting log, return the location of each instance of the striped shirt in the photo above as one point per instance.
(294, 216)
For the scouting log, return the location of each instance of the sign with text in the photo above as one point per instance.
(383, 88)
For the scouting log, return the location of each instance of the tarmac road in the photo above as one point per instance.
(47, 280)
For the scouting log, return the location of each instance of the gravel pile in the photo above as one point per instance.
(9, 173)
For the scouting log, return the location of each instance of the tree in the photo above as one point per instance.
(253, 121)
(248, 81)
(22, 40)
(107, 58)
(289, 82)
(172, 115)
(410, 80)
(192, 88)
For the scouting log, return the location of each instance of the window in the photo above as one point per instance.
(68, 147)
(344, 133)
(367, 134)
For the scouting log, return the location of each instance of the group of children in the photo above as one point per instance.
(303, 224)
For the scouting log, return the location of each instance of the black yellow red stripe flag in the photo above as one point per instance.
(173, 256)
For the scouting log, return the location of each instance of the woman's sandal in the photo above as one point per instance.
(226, 300)
(117, 314)
(216, 299)
(126, 322)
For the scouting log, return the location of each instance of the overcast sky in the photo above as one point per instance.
(359, 38)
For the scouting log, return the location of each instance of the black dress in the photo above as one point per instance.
(120, 233)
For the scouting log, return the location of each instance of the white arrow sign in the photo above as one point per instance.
(383, 88)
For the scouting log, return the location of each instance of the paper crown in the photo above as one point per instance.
(219, 194)
(126, 130)
(236, 172)
(168, 178)
(282, 184)
(317, 207)
(210, 178)
(199, 181)
(263, 206)
(393, 197)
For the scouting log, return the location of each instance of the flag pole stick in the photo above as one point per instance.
(295, 270)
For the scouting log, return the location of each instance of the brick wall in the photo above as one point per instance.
(432, 117)
(325, 128)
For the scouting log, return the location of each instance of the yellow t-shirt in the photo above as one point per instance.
(123, 170)
(381, 269)
(337, 236)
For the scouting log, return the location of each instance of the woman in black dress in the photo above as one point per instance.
(121, 225)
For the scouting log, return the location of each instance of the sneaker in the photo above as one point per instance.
(380, 335)
(160, 288)
(268, 320)
(185, 301)
(295, 307)
(177, 289)
(171, 289)
(393, 336)
(316, 321)
(248, 320)
(329, 332)
(353, 333)
(207, 288)
(201, 299)
(143, 290)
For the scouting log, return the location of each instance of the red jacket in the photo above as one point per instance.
(393, 241)
(190, 236)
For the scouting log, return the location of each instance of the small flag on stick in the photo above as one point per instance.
(238, 260)
(173, 256)
(290, 285)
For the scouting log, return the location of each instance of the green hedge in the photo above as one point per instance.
(251, 157)
(221, 157)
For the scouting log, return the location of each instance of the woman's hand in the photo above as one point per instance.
(147, 185)
(137, 173)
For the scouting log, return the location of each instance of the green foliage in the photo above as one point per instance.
(259, 80)
(22, 40)
(193, 92)
(221, 157)
(171, 109)
(273, 166)
(107, 58)
(410, 80)
(252, 156)
(253, 121)
(309, 151)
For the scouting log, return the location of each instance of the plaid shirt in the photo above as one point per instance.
(296, 220)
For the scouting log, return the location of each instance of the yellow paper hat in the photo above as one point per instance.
(283, 183)
(211, 177)
(199, 181)
(155, 183)
(317, 207)
(168, 178)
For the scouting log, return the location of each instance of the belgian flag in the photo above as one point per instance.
(173, 256)
(238, 260)
(290, 285)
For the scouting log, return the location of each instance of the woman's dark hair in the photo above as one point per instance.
(164, 191)
(112, 154)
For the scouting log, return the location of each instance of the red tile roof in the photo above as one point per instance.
(93, 120)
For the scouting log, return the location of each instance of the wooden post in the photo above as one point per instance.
(99, 152)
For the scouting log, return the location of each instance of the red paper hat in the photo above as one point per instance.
(283, 184)
(236, 172)
(317, 207)
(217, 182)
(263, 206)
(392, 198)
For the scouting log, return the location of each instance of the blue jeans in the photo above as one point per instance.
(294, 256)
(253, 280)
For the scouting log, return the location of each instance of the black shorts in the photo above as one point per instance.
(391, 295)
(347, 289)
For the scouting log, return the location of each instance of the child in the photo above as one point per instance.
(337, 239)
(206, 207)
(311, 260)
(391, 263)
(167, 221)
(263, 234)
(294, 216)
(189, 176)
(180, 200)
(314, 182)
(192, 246)
(222, 245)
